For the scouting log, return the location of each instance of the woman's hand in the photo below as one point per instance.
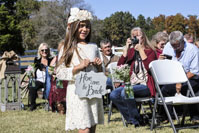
(128, 44)
(97, 61)
(161, 57)
(138, 47)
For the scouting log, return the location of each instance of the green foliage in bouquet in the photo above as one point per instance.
(122, 73)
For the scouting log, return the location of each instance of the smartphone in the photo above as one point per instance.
(169, 57)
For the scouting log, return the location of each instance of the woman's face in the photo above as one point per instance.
(161, 45)
(83, 30)
(44, 51)
(138, 35)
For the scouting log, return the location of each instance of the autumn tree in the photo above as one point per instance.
(192, 26)
(159, 22)
(177, 22)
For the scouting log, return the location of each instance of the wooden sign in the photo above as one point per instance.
(90, 85)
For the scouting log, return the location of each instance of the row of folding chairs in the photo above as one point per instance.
(164, 72)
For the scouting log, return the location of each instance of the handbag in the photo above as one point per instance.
(139, 74)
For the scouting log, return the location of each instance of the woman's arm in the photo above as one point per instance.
(53, 62)
(151, 55)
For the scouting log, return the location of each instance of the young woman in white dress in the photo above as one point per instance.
(77, 55)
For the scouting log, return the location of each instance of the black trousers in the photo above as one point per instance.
(33, 92)
(170, 90)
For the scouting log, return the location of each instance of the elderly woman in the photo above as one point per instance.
(159, 40)
(42, 60)
(137, 54)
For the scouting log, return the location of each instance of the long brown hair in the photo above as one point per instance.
(70, 44)
(147, 44)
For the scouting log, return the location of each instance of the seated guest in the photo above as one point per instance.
(159, 40)
(57, 96)
(197, 43)
(42, 60)
(137, 55)
(188, 55)
(107, 57)
(189, 38)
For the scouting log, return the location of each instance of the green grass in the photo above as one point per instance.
(41, 121)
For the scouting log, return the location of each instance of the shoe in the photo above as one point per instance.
(194, 120)
(32, 107)
(137, 125)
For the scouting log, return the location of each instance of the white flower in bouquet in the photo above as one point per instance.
(30, 70)
(122, 73)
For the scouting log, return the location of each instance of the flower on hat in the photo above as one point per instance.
(79, 15)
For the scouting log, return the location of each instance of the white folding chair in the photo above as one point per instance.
(169, 72)
(111, 68)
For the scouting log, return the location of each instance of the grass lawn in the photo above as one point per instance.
(41, 121)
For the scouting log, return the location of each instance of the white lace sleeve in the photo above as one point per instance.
(64, 73)
(60, 52)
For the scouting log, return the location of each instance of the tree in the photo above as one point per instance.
(159, 22)
(117, 27)
(51, 20)
(141, 22)
(97, 26)
(10, 33)
(25, 11)
(177, 22)
(146, 25)
(192, 26)
(16, 29)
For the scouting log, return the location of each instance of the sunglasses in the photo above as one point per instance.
(44, 50)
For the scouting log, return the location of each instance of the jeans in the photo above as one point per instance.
(170, 90)
(109, 82)
(127, 107)
(33, 92)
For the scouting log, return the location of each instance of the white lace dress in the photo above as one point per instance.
(81, 112)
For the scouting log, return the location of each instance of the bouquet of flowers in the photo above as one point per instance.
(51, 70)
(30, 72)
(122, 73)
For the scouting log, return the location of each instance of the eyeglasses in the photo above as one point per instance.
(44, 50)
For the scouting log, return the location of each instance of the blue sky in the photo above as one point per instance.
(148, 8)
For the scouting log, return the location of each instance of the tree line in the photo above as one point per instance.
(24, 24)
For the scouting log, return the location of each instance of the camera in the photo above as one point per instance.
(169, 57)
(134, 40)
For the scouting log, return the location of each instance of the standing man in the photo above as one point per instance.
(188, 55)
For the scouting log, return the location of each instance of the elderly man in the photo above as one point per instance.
(107, 57)
(188, 55)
